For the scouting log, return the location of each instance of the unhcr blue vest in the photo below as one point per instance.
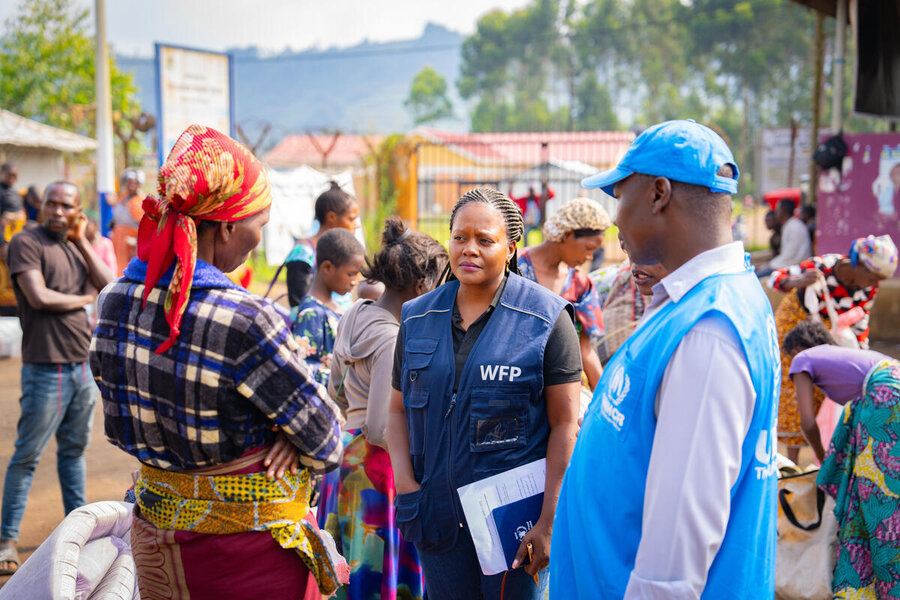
(598, 521)
(495, 421)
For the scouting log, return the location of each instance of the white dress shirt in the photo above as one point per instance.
(795, 244)
(704, 406)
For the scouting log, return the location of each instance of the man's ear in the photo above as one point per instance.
(662, 194)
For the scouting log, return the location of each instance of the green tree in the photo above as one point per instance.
(427, 100)
(506, 70)
(47, 67)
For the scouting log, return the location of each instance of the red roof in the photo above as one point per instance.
(593, 147)
(308, 149)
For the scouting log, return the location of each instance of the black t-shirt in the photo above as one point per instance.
(48, 336)
(562, 354)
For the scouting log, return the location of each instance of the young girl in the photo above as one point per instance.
(335, 209)
(383, 565)
(339, 258)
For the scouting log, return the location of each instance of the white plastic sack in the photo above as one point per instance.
(10, 337)
(804, 559)
(87, 557)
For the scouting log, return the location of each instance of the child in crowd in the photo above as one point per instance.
(334, 209)
(384, 565)
(339, 257)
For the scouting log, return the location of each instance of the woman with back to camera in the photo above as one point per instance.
(486, 378)
(334, 208)
(196, 375)
(383, 566)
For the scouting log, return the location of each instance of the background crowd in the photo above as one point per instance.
(316, 446)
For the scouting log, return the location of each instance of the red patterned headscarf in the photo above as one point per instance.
(207, 177)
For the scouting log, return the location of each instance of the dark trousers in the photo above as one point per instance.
(456, 575)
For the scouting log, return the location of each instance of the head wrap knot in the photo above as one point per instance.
(207, 177)
(580, 213)
(877, 254)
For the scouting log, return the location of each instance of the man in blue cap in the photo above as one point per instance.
(670, 492)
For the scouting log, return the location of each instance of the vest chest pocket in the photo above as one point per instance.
(498, 419)
(418, 355)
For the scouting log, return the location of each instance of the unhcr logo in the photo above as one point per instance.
(619, 386)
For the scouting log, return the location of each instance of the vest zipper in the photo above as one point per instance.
(452, 404)
(450, 456)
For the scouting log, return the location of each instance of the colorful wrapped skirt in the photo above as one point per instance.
(229, 532)
(862, 472)
(382, 564)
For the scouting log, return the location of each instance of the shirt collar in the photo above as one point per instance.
(494, 302)
(206, 276)
(726, 259)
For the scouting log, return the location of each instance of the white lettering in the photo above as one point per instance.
(612, 414)
(767, 471)
(498, 372)
(488, 372)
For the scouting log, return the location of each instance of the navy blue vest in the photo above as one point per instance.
(497, 418)
(598, 521)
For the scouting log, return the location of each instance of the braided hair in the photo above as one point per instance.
(509, 210)
(406, 258)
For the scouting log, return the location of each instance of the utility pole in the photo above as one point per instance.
(106, 184)
(837, 100)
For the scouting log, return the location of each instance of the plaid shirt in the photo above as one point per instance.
(234, 372)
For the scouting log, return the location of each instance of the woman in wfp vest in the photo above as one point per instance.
(486, 378)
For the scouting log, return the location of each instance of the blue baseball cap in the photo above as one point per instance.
(684, 151)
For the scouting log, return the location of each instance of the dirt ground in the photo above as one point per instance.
(108, 468)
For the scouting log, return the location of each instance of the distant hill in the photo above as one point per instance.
(356, 89)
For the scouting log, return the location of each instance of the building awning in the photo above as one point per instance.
(16, 130)
(826, 7)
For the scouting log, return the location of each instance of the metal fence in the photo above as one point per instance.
(552, 165)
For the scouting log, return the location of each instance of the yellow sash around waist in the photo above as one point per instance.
(223, 504)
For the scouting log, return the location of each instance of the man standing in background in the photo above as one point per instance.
(55, 274)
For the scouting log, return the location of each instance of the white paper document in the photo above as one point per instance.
(479, 498)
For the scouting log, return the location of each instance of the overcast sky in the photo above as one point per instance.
(133, 26)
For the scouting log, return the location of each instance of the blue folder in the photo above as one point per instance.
(514, 520)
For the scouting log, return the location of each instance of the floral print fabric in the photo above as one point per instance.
(314, 326)
(862, 472)
(577, 289)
